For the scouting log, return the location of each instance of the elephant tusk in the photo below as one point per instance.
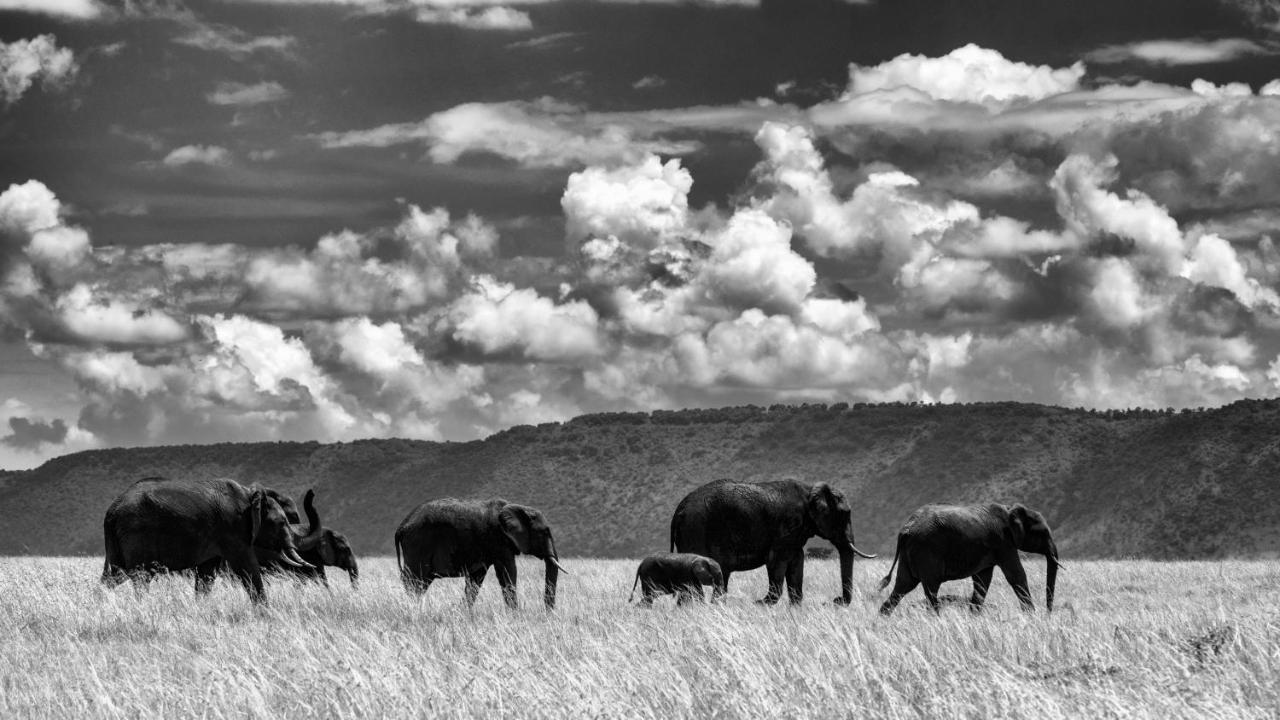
(862, 554)
(293, 557)
(556, 562)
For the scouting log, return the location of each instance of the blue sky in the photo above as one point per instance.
(330, 219)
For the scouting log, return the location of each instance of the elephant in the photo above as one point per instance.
(162, 525)
(938, 543)
(456, 538)
(745, 525)
(316, 544)
(679, 574)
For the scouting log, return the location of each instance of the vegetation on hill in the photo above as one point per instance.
(1150, 483)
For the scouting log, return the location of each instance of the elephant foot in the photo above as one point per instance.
(841, 601)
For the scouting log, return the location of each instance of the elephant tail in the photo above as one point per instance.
(675, 521)
(633, 586)
(884, 582)
(112, 557)
(399, 564)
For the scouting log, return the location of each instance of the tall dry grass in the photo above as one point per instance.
(1130, 639)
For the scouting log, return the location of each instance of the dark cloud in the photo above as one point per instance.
(30, 434)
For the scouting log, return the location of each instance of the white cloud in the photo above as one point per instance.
(641, 204)
(498, 318)
(23, 62)
(533, 134)
(241, 94)
(1186, 51)
(968, 74)
(73, 9)
(197, 155)
(490, 18)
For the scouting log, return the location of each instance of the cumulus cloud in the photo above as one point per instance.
(24, 62)
(969, 74)
(637, 203)
(29, 434)
(498, 318)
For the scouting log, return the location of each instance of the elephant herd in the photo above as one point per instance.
(159, 525)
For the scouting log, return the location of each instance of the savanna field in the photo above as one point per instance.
(1128, 639)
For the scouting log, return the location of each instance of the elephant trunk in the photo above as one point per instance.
(846, 572)
(553, 574)
(353, 572)
(1050, 575)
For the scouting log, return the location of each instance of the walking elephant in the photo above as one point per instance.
(319, 546)
(939, 543)
(679, 574)
(464, 538)
(745, 525)
(160, 525)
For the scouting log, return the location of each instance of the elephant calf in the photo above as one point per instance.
(679, 574)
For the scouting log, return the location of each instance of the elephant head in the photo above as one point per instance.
(329, 546)
(1030, 533)
(529, 534)
(270, 529)
(827, 510)
(708, 572)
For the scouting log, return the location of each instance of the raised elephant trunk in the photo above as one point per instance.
(1050, 575)
(313, 517)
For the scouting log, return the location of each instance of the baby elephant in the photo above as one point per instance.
(681, 574)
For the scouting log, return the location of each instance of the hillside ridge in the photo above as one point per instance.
(1132, 483)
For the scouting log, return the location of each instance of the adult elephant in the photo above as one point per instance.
(318, 545)
(952, 542)
(161, 525)
(464, 538)
(745, 525)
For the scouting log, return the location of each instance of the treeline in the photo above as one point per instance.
(1118, 483)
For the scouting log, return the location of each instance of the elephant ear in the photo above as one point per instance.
(820, 504)
(517, 526)
(328, 553)
(1018, 525)
(255, 515)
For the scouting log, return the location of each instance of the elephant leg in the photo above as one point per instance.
(251, 579)
(475, 578)
(206, 573)
(795, 579)
(981, 583)
(647, 591)
(931, 594)
(506, 569)
(905, 583)
(1017, 577)
(416, 581)
(683, 595)
(777, 570)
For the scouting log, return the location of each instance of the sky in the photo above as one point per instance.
(248, 220)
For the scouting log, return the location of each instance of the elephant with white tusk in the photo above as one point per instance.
(745, 525)
(160, 525)
(939, 543)
(463, 538)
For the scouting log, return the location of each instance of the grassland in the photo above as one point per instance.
(1129, 639)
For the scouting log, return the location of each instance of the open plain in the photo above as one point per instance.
(1128, 639)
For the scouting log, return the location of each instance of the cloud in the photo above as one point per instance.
(197, 155)
(1188, 51)
(969, 74)
(490, 18)
(240, 94)
(71, 9)
(497, 318)
(636, 203)
(23, 62)
(28, 434)
(544, 133)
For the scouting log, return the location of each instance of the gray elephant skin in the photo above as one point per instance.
(743, 526)
(679, 574)
(939, 543)
(450, 538)
(318, 545)
(159, 525)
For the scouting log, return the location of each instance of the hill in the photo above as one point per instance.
(1149, 483)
